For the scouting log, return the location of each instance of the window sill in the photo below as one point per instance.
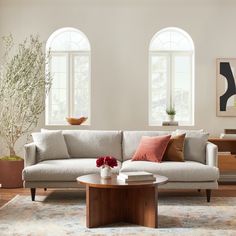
(82, 126)
(179, 125)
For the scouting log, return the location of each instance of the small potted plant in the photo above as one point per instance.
(171, 112)
(106, 163)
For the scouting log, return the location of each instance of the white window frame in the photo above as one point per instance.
(70, 84)
(170, 54)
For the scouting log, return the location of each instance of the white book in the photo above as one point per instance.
(224, 153)
(228, 136)
(141, 179)
(136, 175)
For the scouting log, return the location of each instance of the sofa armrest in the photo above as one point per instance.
(211, 154)
(30, 154)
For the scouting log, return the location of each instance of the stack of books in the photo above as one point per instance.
(136, 176)
(170, 123)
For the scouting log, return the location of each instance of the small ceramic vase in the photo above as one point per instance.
(106, 172)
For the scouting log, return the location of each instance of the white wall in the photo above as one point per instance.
(119, 32)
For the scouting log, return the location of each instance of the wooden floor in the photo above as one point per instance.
(223, 191)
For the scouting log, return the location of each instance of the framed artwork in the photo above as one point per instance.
(225, 87)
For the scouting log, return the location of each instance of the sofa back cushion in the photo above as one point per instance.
(50, 145)
(131, 140)
(93, 143)
(195, 145)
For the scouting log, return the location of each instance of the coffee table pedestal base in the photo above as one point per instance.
(135, 205)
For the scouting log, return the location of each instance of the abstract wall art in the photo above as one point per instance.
(226, 87)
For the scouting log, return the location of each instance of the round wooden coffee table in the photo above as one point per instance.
(111, 201)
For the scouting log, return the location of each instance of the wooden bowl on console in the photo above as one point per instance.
(76, 121)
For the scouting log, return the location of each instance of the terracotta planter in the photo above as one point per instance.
(11, 173)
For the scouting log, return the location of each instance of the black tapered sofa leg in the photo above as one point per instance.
(33, 191)
(208, 195)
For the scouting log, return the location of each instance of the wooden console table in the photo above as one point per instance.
(226, 163)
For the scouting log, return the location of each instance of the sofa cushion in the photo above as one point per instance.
(151, 148)
(175, 149)
(50, 145)
(175, 171)
(131, 140)
(195, 145)
(93, 143)
(62, 170)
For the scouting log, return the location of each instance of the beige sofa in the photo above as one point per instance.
(199, 171)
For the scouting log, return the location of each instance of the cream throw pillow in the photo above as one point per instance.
(50, 145)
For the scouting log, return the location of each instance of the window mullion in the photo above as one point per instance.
(169, 76)
(73, 55)
(72, 95)
(49, 98)
(191, 58)
(172, 88)
(68, 84)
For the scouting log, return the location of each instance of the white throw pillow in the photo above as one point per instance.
(50, 145)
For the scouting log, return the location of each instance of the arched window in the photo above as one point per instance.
(70, 68)
(171, 76)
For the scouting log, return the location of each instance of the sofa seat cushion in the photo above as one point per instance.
(62, 170)
(187, 171)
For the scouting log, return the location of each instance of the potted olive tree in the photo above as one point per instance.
(23, 85)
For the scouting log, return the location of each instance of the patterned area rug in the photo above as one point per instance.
(63, 213)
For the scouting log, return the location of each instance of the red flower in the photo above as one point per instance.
(100, 161)
(106, 160)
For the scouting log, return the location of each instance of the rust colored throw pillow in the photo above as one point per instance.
(151, 148)
(175, 149)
